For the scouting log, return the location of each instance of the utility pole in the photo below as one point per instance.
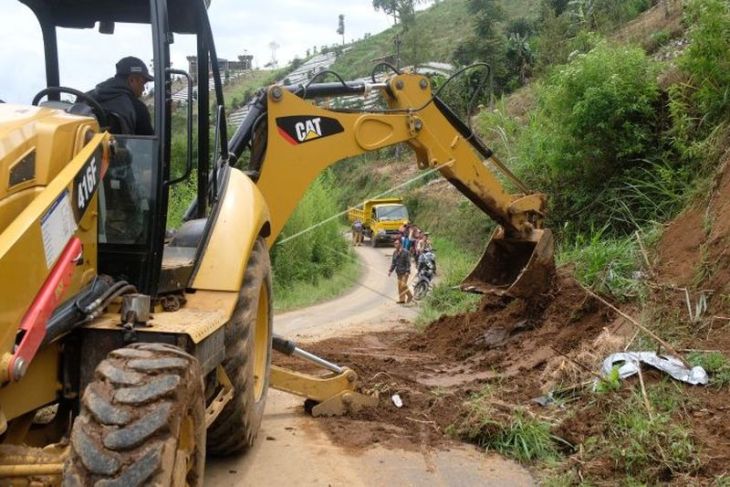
(341, 28)
(273, 45)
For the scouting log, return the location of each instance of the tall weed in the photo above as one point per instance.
(707, 59)
(654, 192)
(608, 265)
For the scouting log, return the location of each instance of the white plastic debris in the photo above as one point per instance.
(628, 364)
(397, 400)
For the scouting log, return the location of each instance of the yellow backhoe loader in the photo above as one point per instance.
(128, 352)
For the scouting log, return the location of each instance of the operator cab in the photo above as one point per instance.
(135, 199)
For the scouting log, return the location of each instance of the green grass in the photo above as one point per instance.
(306, 293)
(642, 445)
(722, 481)
(453, 264)
(360, 178)
(607, 265)
(610, 382)
(716, 364)
(518, 435)
(181, 195)
(562, 479)
(238, 90)
(525, 439)
(436, 28)
(433, 37)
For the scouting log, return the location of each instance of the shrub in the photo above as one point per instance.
(707, 59)
(596, 118)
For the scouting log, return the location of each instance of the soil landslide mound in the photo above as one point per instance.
(521, 348)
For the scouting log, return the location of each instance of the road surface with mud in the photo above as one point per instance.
(292, 448)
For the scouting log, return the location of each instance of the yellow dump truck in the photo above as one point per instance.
(381, 218)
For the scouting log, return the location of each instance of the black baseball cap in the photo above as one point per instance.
(132, 65)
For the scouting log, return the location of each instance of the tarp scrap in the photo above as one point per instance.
(628, 363)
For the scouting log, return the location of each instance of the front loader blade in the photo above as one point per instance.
(512, 267)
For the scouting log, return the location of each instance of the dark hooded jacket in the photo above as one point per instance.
(115, 96)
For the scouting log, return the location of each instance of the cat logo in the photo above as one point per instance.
(308, 130)
(300, 129)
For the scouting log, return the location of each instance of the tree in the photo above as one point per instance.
(486, 14)
(556, 6)
(488, 43)
(341, 27)
(389, 7)
(401, 10)
(520, 55)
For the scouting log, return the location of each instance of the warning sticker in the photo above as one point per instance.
(57, 226)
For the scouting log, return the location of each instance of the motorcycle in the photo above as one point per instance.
(424, 278)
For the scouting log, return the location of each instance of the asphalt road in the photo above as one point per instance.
(292, 450)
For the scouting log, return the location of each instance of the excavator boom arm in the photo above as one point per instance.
(304, 139)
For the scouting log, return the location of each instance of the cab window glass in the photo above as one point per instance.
(127, 192)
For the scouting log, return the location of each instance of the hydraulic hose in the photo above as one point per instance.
(71, 313)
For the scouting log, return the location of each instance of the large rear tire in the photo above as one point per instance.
(248, 359)
(142, 421)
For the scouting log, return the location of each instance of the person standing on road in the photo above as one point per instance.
(357, 233)
(401, 264)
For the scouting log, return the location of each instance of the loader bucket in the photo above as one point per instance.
(511, 267)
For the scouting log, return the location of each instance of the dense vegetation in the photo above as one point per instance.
(616, 152)
(311, 249)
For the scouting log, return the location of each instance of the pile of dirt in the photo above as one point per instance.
(509, 342)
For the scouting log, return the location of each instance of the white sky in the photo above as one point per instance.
(87, 57)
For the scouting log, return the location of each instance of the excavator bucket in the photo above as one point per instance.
(511, 267)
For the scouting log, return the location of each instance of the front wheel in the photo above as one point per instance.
(420, 290)
(248, 337)
(142, 421)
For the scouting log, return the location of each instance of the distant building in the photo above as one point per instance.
(226, 66)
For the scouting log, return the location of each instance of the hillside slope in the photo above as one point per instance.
(436, 32)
